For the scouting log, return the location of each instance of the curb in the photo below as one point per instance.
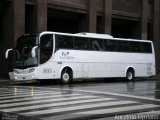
(4, 80)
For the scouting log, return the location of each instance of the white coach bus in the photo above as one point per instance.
(53, 55)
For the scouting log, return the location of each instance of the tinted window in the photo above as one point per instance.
(127, 46)
(134, 46)
(81, 43)
(65, 42)
(96, 44)
(46, 47)
(22, 52)
(124, 46)
(141, 47)
(147, 48)
(110, 45)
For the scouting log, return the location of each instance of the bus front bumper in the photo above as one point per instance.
(22, 77)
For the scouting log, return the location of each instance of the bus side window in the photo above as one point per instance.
(46, 47)
(81, 43)
(65, 42)
(148, 48)
(96, 44)
(134, 47)
(113, 45)
(108, 45)
(124, 46)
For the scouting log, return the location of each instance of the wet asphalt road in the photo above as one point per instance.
(86, 99)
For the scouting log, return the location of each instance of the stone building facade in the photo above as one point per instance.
(139, 19)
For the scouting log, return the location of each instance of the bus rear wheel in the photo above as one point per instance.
(66, 76)
(130, 75)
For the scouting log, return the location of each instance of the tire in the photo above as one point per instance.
(130, 75)
(66, 76)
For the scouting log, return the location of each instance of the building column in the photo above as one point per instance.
(107, 16)
(14, 21)
(41, 15)
(144, 22)
(19, 18)
(156, 31)
(92, 16)
(13, 27)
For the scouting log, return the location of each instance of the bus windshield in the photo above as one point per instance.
(22, 52)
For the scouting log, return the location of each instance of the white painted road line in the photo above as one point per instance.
(105, 93)
(122, 109)
(57, 104)
(46, 100)
(101, 111)
(157, 112)
(35, 98)
(77, 107)
(28, 95)
(115, 94)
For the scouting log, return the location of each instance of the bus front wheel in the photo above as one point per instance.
(66, 76)
(130, 75)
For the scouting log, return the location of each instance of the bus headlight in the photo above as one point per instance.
(31, 70)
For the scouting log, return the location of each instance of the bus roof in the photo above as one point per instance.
(96, 35)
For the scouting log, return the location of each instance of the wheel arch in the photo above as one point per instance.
(130, 68)
(68, 68)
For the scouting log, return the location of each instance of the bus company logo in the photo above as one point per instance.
(66, 55)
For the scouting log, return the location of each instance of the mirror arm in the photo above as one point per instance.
(33, 51)
(7, 52)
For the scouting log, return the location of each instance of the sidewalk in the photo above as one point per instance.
(7, 81)
(4, 80)
(155, 77)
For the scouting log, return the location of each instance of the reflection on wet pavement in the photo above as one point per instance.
(84, 100)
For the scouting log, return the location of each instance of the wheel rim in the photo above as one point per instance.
(65, 77)
(129, 75)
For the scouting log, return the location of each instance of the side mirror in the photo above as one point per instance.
(33, 51)
(7, 52)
